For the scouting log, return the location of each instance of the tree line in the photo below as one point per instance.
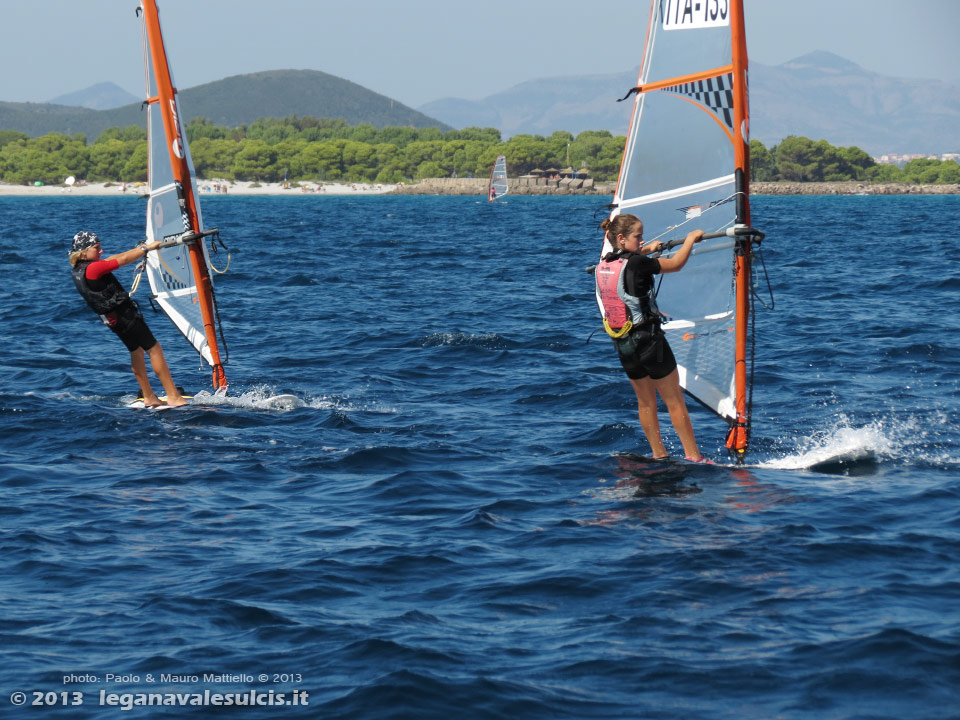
(317, 149)
(800, 159)
(307, 149)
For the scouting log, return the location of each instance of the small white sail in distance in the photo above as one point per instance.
(498, 179)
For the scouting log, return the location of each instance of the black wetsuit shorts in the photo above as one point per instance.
(135, 333)
(645, 353)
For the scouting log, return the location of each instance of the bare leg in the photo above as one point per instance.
(669, 389)
(160, 369)
(139, 367)
(647, 410)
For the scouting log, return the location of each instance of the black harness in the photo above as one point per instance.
(111, 298)
(646, 331)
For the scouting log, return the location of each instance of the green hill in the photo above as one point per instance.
(233, 101)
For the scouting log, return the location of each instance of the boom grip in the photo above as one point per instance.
(731, 232)
(737, 231)
(188, 238)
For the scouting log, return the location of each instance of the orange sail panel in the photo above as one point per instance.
(686, 165)
(179, 274)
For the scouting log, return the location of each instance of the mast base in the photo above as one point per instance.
(219, 378)
(737, 442)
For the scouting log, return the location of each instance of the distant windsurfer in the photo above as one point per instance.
(493, 193)
(625, 282)
(95, 281)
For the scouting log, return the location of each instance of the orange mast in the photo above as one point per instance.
(738, 437)
(176, 146)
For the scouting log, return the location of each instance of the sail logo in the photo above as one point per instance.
(691, 212)
(694, 14)
(176, 145)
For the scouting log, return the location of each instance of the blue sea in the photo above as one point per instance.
(453, 518)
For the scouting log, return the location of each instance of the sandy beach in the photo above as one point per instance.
(206, 188)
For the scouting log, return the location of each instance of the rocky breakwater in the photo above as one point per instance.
(528, 185)
(525, 185)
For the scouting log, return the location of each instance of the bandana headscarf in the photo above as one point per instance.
(83, 240)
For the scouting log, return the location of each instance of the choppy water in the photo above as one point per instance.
(451, 520)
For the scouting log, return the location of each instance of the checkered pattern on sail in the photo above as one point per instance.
(172, 282)
(715, 93)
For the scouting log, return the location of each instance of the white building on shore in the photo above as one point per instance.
(901, 160)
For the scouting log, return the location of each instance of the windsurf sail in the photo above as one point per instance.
(179, 272)
(686, 165)
(498, 179)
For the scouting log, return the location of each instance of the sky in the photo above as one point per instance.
(416, 51)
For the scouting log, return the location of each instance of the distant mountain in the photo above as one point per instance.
(102, 96)
(820, 95)
(242, 99)
(233, 101)
(539, 107)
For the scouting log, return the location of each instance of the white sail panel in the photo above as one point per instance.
(169, 269)
(498, 178)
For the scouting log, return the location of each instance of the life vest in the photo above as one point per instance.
(621, 312)
(111, 302)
